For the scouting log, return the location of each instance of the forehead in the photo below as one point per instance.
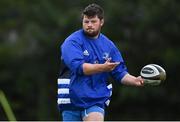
(85, 17)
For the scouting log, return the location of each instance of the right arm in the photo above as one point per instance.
(89, 69)
(74, 59)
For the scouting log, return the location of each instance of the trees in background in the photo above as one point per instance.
(30, 35)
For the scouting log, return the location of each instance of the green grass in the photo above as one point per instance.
(6, 107)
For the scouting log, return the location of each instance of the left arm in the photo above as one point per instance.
(132, 80)
(120, 73)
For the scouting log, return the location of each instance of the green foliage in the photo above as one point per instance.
(144, 31)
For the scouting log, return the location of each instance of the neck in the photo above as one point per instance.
(94, 37)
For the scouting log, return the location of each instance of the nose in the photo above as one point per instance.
(89, 24)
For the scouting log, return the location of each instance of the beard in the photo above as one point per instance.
(91, 33)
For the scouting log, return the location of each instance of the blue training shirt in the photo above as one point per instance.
(80, 90)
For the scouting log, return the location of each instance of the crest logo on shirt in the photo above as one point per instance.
(105, 55)
(86, 53)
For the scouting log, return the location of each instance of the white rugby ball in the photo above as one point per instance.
(153, 74)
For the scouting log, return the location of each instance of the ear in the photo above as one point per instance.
(102, 22)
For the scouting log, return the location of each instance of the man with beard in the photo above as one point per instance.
(88, 59)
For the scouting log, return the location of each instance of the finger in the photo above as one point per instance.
(114, 65)
(117, 63)
(108, 60)
(141, 82)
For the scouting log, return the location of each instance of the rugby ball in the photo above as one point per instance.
(153, 74)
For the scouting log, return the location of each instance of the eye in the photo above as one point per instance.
(93, 21)
(86, 21)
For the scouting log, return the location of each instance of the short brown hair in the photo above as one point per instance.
(92, 10)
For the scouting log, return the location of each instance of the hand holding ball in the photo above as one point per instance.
(153, 74)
